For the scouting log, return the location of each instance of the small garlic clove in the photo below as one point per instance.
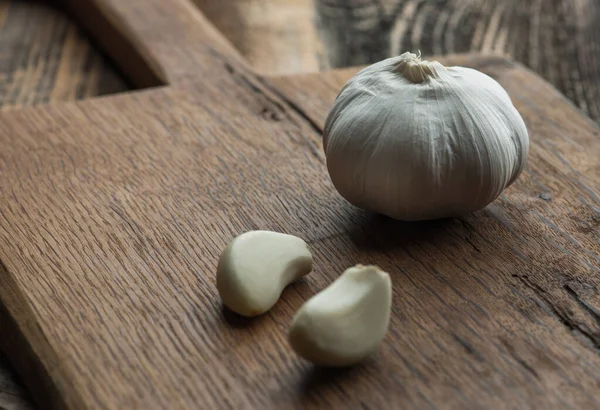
(255, 268)
(345, 322)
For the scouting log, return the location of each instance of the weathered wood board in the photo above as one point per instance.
(558, 39)
(113, 212)
(44, 57)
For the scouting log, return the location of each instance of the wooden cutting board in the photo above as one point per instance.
(114, 211)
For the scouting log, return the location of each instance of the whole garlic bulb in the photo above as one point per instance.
(415, 140)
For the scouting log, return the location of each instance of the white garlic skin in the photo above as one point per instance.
(415, 140)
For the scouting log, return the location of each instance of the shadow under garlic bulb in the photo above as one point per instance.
(415, 140)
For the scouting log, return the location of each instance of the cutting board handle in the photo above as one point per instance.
(157, 42)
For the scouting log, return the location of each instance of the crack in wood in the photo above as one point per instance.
(468, 347)
(295, 107)
(593, 311)
(469, 236)
(513, 353)
(278, 99)
(278, 107)
(583, 335)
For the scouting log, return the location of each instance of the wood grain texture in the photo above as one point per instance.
(110, 245)
(114, 211)
(157, 42)
(44, 58)
(558, 39)
(275, 36)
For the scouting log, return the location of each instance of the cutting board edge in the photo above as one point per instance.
(24, 346)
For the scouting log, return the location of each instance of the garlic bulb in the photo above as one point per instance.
(415, 140)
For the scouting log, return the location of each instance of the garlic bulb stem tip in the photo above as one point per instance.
(416, 70)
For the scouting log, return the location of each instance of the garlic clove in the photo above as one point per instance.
(255, 268)
(345, 322)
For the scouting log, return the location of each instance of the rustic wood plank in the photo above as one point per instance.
(558, 39)
(114, 212)
(110, 244)
(44, 57)
(158, 42)
(275, 36)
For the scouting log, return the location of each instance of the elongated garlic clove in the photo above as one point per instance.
(255, 268)
(345, 322)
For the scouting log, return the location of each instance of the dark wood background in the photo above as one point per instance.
(558, 39)
(44, 57)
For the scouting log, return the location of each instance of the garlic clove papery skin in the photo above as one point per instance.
(415, 140)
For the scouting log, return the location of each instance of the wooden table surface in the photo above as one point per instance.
(45, 57)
